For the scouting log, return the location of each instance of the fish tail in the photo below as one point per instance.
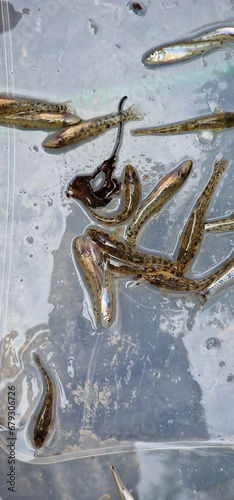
(133, 113)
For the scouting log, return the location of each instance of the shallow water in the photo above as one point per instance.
(162, 373)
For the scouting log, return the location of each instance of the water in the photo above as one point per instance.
(158, 381)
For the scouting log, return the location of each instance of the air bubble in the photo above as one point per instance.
(213, 343)
(30, 240)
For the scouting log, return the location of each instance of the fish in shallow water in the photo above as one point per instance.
(91, 128)
(220, 279)
(39, 120)
(187, 49)
(126, 254)
(84, 255)
(166, 188)
(107, 294)
(218, 120)
(220, 225)
(45, 418)
(124, 494)
(191, 238)
(12, 104)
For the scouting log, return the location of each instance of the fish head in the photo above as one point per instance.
(154, 57)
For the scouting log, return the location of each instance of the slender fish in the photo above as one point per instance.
(89, 267)
(157, 198)
(11, 104)
(124, 494)
(131, 194)
(45, 418)
(173, 282)
(224, 33)
(218, 120)
(127, 254)
(219, 280)
(107, 294)
(91, 128)
(187, 49)
(220, 225)
(39, 120)
(192, 235)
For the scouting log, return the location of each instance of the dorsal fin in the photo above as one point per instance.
(215, 107)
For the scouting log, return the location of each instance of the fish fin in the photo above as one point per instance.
(164, 293)
(215, 107)
(134, 113)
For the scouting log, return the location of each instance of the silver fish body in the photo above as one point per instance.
(124, 494)
(182, 50)
(223, 281)
(220, 225)
(224, 33)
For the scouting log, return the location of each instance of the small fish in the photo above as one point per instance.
(45, 418)
(218, 120)
(172, 281)
(220, 225)
(192, 235)
(224, 33)
(107, 294)
(84, 253)
(39, 120)
(131, 195)
(12, 104)
(124, 494)
(91, 128)
(166, 188)
(219, 280)
(186, 49)
(127, 254)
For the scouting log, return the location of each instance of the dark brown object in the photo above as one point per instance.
(137, 6)
(44, 419)
(81, 187)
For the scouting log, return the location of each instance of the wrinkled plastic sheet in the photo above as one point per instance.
(161, 377)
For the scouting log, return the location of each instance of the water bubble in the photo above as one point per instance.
(213, 343)
(206, 140)
(30, 240)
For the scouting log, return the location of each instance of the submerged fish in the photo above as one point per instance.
(192, 235)
(127, 255)
(131, 195)
(224, 33)
(220, 225)
(107, 294)
(220, 279)
(218, 120)
(45, 418)
(91, 128)
(84, 257)
(157, 198)
(187, 49)
(11, 104)
(124, 494)
(39, 120)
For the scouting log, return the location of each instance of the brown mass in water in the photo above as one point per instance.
(82, 189)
